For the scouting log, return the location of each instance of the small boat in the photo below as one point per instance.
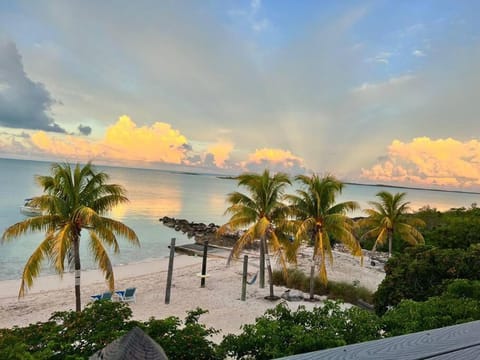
(29, 210)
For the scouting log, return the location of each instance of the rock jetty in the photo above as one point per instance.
(200, 231)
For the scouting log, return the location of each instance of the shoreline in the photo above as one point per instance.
(221, 296)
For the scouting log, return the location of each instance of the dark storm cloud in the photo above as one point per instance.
(24, 104)
(84, 130)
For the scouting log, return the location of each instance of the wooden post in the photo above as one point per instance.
(204, 264)
(244, 277)
(312, 280)
(170, 271)
(262, 265)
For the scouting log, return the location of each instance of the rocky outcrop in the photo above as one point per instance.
(200, 231)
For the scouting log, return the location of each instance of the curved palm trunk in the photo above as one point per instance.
(76, 255)
(312, 270)
(262, 264)
(312, 280)
(390, 241)
(269, 268)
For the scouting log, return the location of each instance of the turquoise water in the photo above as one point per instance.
(154, 194)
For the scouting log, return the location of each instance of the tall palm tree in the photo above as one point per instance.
(262, 212)
(389, 217)
(319, 219)
(73, 200)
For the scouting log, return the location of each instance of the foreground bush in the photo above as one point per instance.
(281, 331)
(68, 334)
(183, 340)
(453, 229)
(459, 303)
(421, 272)
(72, 335)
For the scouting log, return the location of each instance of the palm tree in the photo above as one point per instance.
(390, 217)
(73, 200)
(262, 212)
(319, 219)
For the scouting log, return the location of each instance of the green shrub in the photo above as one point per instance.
(348, 292)
(183, 340)
(439, 311)
(420, 273)
(72, 335)
(462, 288)
(281, 332)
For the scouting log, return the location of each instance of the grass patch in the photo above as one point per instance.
(297, 279)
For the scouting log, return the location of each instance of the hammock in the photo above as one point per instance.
(253, 279)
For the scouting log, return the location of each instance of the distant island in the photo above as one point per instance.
(416, 188)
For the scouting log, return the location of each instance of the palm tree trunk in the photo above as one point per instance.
(270, 274)
(390, 241)
(76, 254)
(312, 280)
(262, 264)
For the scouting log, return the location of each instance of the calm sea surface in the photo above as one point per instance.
(154, 194)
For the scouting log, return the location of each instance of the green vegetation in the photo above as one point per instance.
(296, 279)
(453, 229)
(74, 199)
(422, 271)
(438, 311)
(78, 335)
(281, 331)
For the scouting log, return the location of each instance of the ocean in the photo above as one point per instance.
(154, 194)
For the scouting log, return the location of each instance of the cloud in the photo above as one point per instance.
(288, 90)
(124, 142)
(218, 153)
(423, 161)
(418, 53)
(158, 145)
(382, 57)
(385, 85)
(255, 21)
(84, 130)
(159, 142)
(274, 159)
(24, 104)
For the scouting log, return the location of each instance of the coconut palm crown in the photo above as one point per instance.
(389, 217)
(73, 200)
(319, 218)
(261, 212)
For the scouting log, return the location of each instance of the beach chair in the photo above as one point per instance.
(107, 295)
(127, 295)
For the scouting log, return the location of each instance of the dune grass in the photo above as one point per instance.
(348, 292)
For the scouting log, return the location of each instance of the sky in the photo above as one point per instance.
(369, 91)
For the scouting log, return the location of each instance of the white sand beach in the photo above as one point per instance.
(221, 296)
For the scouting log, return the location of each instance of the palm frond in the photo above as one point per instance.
(35, 224)
(61, 244)
(33, 265)
(101, 258)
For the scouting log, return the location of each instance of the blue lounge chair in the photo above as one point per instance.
(107, 295)
(127, 295)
